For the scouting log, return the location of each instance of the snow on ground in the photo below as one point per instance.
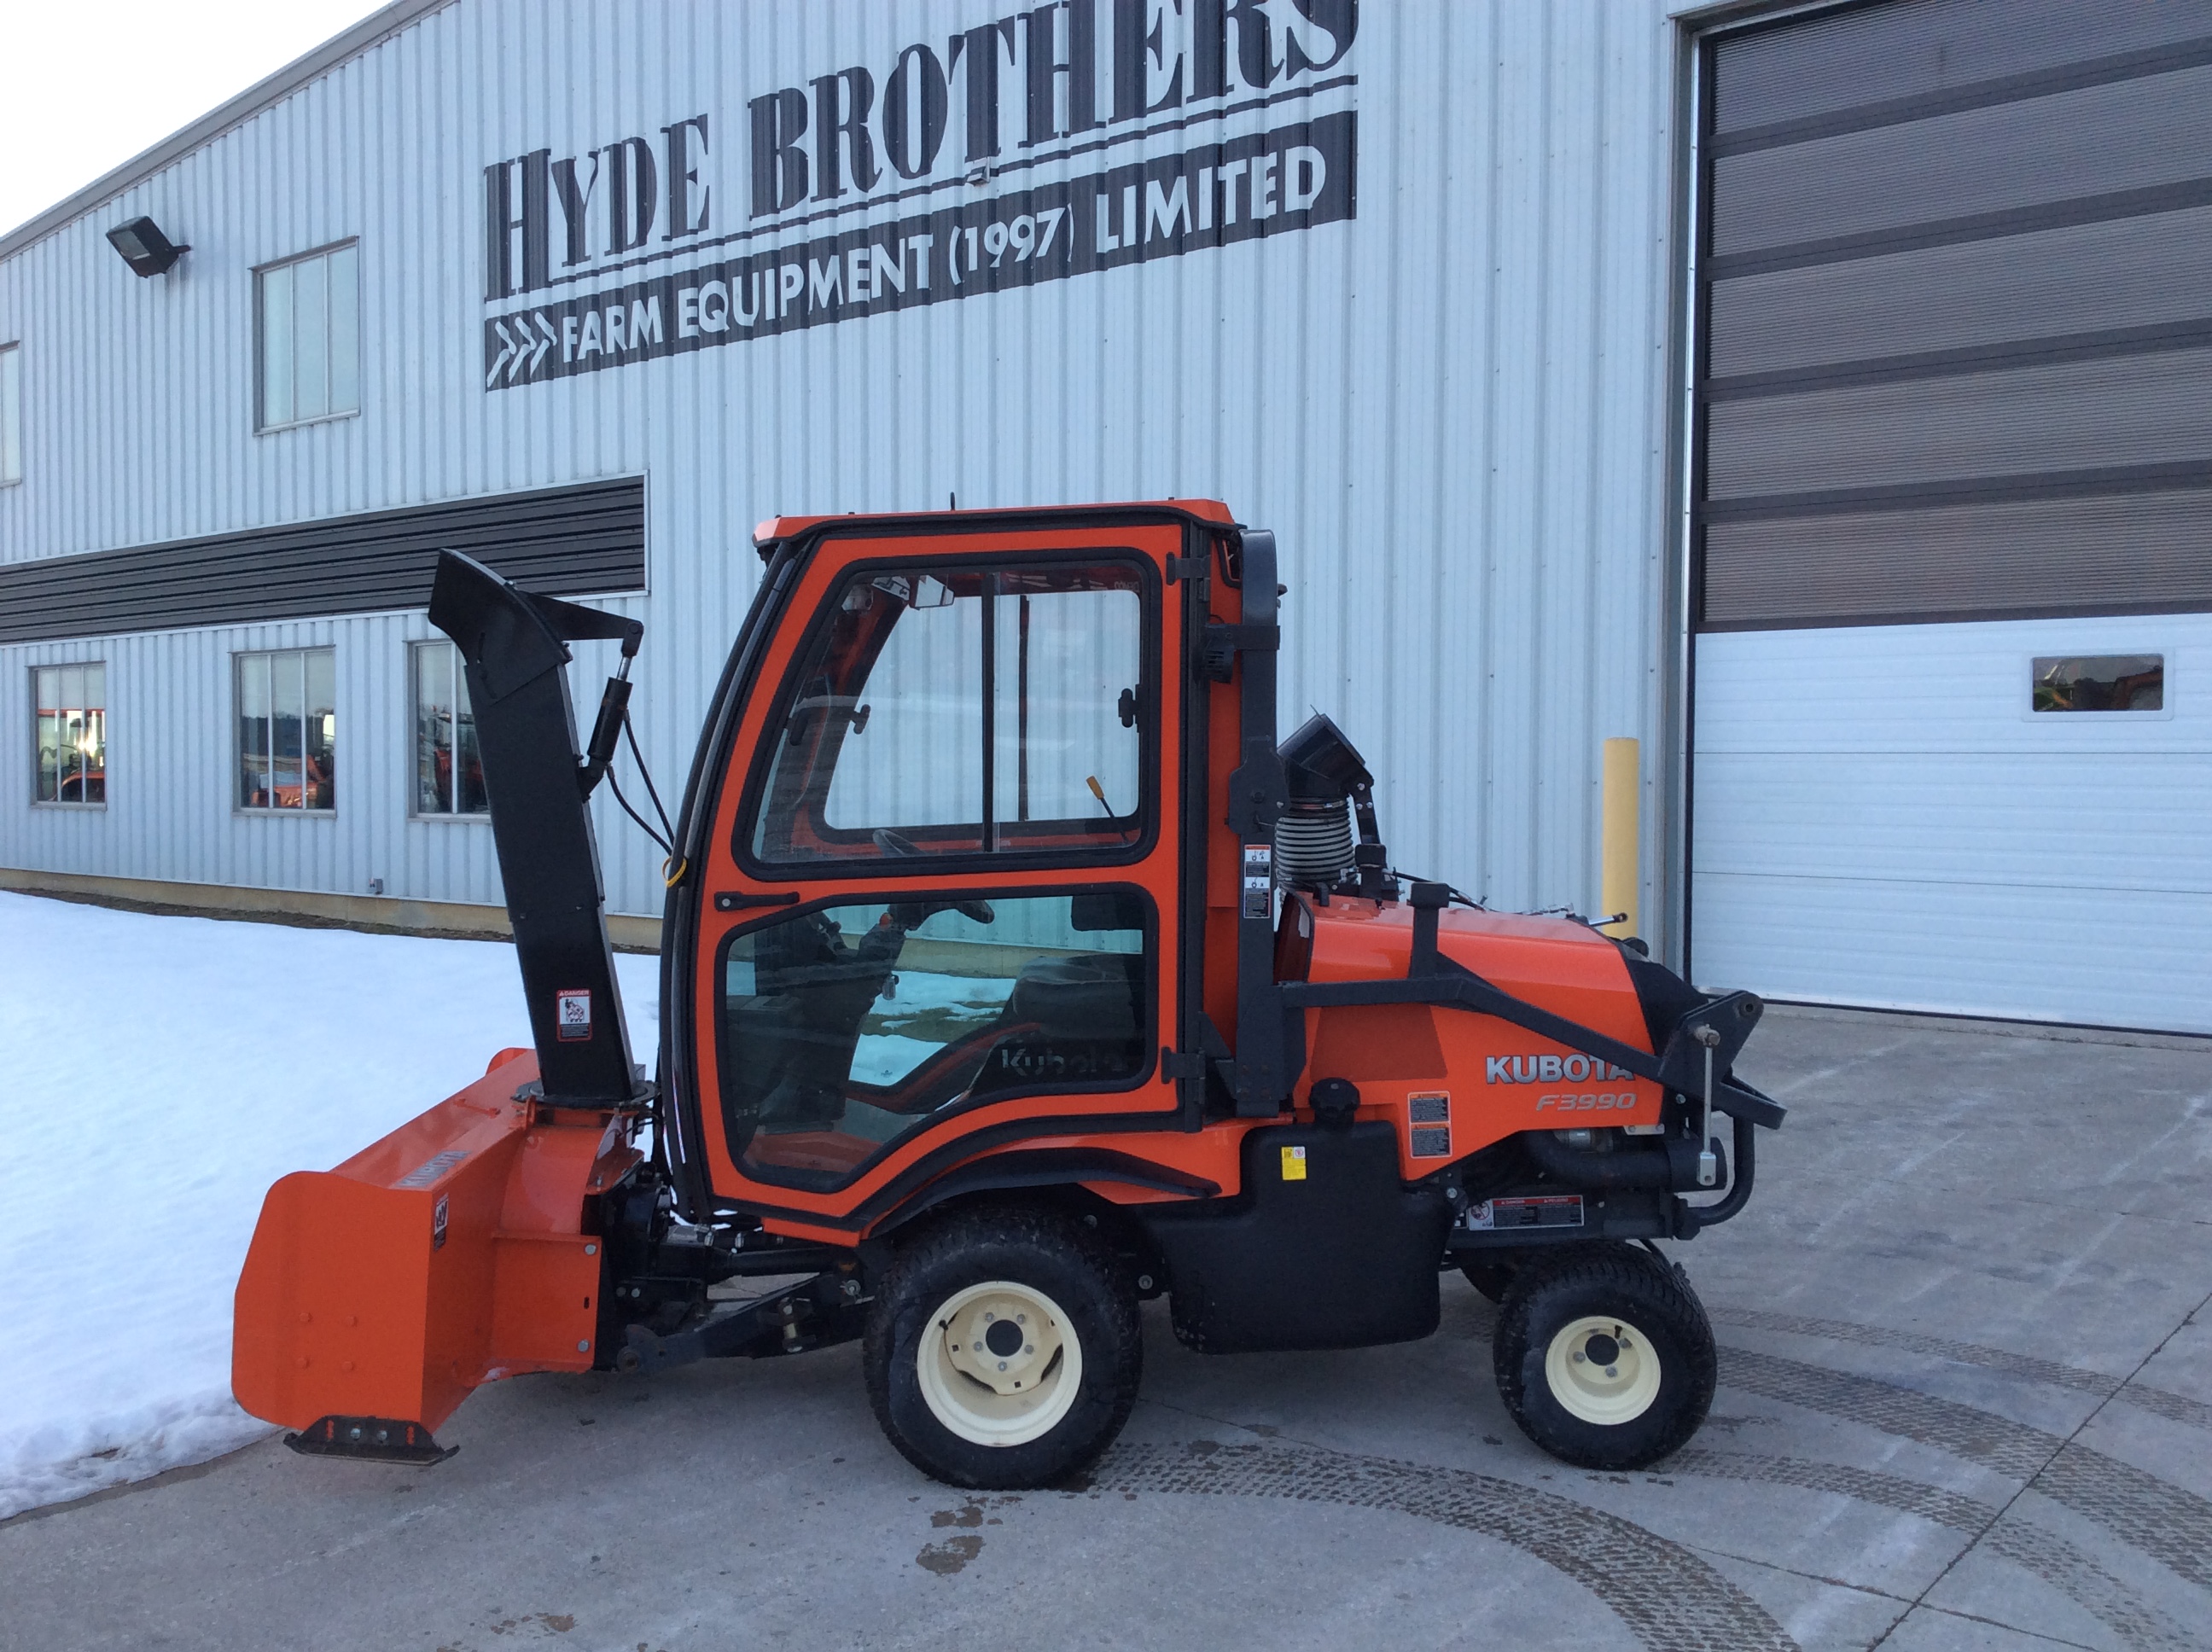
(167, 1071)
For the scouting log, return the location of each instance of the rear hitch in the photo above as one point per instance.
(369, 1439)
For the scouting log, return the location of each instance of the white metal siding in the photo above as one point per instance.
(1451, 410)
(1880, 821)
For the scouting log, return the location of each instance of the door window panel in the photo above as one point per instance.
(847, 1028)
(911, 754)
(1067, 704)
(963, 712)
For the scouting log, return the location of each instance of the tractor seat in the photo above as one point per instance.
(1092, 995)
(1080, 1019)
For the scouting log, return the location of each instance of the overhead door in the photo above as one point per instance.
(1952, 513)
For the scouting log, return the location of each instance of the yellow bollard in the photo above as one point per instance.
(1618, 882)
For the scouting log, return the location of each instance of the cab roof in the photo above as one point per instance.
(777, 529)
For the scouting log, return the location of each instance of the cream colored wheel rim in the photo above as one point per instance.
(1603, 1370)
(1000, 1365)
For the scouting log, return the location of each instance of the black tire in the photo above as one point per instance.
(1649, 1324)
(1490, 1276)
(1067, 1267)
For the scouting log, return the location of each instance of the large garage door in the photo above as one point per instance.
(1952, 557)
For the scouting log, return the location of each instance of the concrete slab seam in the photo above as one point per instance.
(2163, 1521)
(2037, 1549)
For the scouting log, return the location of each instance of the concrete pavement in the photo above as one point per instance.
(1965, 1401)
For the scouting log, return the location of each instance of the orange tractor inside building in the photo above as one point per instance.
(1013, 975)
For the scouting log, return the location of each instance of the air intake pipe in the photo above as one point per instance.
(1328, 785)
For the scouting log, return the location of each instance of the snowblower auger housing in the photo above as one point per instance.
(1011, 973)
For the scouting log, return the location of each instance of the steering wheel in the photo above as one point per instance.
(899, 845)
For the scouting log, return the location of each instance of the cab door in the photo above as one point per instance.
(941, 908)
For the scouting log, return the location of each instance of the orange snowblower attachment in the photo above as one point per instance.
(377, 1295)
(455, 1250)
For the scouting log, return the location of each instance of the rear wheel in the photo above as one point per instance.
(1604, 1358)
(1003, 1350)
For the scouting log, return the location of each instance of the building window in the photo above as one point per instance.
(448, 768)
(287, 730)
(308, 337)
(2100, 682)
(71, 707)
(11, 414)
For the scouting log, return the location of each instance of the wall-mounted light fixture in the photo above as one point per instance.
(144, 247)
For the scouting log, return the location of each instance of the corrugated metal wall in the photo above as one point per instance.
(1452, 409)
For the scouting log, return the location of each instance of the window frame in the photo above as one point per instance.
(791, 1179)
(79, 806)
(240, 808)
(11, 410)
(2163, 652)
(982, 863)
(263, 426)
(455, 817)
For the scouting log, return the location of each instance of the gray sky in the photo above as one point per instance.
(92, 83)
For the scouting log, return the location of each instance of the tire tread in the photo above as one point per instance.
(947, 1244)
(1634, 1276)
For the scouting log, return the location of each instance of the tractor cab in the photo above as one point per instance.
(936, 898)
(1013, 974)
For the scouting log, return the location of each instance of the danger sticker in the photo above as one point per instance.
(1258, 880)
(1543, 1210)
(572, 1014)
(1294, 1164)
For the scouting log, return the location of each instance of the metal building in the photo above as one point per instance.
(1813, 394)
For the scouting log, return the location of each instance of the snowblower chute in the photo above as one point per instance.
(1012, 974)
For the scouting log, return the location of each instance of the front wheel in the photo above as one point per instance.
(1003, 1350)
(1604, 1358)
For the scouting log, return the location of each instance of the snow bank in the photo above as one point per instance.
(158, 1073)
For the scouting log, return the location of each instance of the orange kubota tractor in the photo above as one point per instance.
(1012, 975)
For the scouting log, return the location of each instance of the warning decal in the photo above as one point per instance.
(1294, 1164)
(572, 1014)
(1542, 1211)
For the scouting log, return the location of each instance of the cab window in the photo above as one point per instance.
(847, 1027)
(947, 711)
